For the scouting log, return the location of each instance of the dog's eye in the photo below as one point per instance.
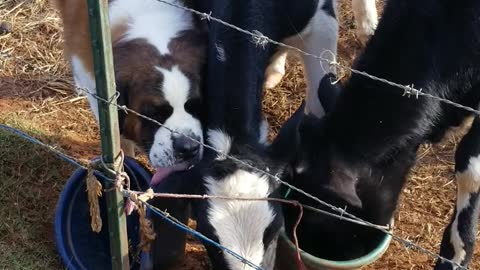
(194, 107)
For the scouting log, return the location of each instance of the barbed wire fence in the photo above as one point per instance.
(261, 40)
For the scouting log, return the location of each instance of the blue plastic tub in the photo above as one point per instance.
(78, 246)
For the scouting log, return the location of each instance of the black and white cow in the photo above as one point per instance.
(358, 155)
(233, 94)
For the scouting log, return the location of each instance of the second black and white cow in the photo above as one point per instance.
(358, 156)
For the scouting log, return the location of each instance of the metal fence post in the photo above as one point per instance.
(109, 129)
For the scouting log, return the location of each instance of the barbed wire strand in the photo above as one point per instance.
(48, 147)
(205, 196)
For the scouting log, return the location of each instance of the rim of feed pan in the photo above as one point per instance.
(313, 262)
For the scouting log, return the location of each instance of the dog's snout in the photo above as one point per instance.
(186, 148)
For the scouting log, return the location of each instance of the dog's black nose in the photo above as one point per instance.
(185, 148)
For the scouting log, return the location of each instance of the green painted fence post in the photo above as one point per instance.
(109, 129)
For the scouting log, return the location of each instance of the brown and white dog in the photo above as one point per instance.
(158, 55)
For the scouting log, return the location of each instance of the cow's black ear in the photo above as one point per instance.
(285, 144)
(309, 127)
(343, 184)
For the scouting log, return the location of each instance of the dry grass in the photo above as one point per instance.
(35, 94)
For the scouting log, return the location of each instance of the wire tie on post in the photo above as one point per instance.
(114, 98)
(121, 181)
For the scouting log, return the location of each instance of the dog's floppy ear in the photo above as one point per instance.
(128, 123)
(343, 183)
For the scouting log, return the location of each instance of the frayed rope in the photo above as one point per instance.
(94, 191)
(147, 234)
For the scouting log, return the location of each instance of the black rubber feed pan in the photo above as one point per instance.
(78, 246)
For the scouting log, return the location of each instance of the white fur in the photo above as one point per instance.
(85, 80)
(455, 239)
(176, 87)
(474, 169)
(365, 12)
(240, 225)
(154, 21)
(220, 141)
(319, 35)
(469, 178)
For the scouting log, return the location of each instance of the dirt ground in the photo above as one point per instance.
(36, 96)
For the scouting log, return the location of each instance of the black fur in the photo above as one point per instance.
(358, 156)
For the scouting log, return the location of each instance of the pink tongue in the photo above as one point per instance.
(159, 175)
